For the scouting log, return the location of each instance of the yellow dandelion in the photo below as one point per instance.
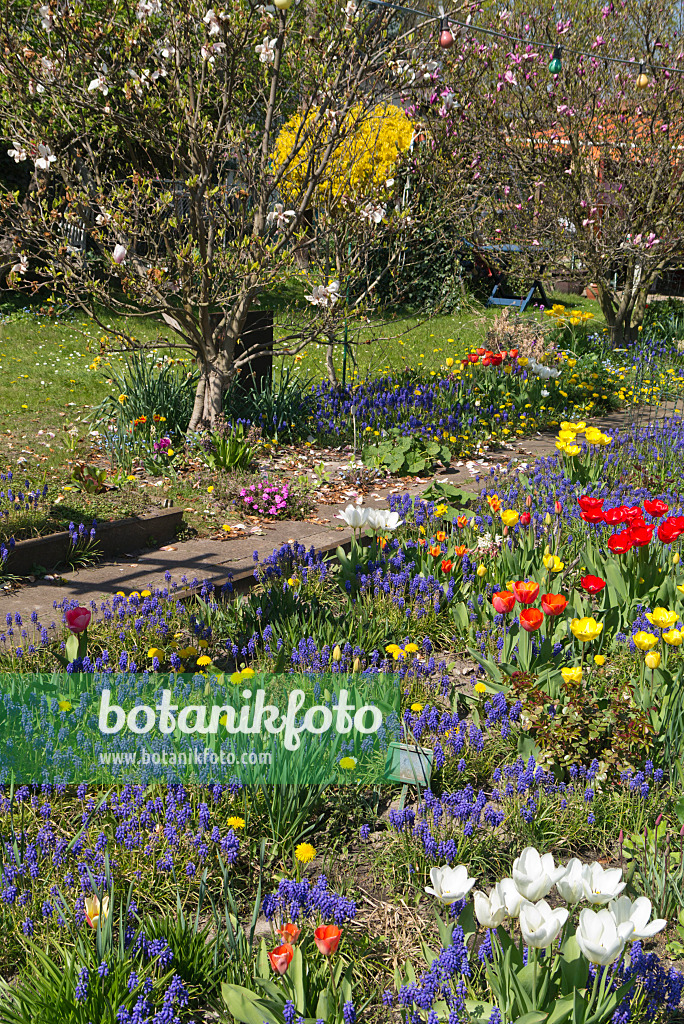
(305, 852)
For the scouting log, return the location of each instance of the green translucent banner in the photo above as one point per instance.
(115, 728)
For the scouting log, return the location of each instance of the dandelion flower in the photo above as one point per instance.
(305, 852)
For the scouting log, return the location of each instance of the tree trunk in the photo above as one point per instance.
(209, 394)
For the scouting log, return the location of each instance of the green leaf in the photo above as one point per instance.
(72, 647)
(246, 1006)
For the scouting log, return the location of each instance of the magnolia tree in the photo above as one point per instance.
(575, 159)
(184, 157)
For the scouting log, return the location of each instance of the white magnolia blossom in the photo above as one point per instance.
(146, 8)
(266, 50)
(602, 884)
(324, 295)
(99, 83)
(638, 914)
(540, 925)
(212, 51)
(351, 13)
(353, 516)
(420, 74)
(47, 18)
(372, 213)
(212, 21)
(22, 266)
(380, 519)
(119, 254)
(18, 153)
(450, 885)
(103, 219)
(44, 158)
(35, 88)
(280, 217)
(448, 102)
(600, 938)
(535, 875)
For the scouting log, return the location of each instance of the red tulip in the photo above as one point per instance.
(77, 619)
(592, 584)
(525, 519)
(531, 619)
(613, 516)
(557, 507)
(496, 360)
(656, 508)
(588, 504)
(503, 602)
(472, 358)
(634, 512)
(592, 515)
(619, 543)
(481, 351)
(327, 938)
(669, 530)
(447, 565)
(553, 604)
(290, 932)
(281, 957)
(526, 591)
(640, 535)
(513, 353)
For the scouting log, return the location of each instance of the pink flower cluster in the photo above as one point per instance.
(162, 445)
(264, 498)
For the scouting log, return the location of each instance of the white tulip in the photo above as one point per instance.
(450, 884)
(601, 884)
(490, 910)
(570, 885)
(381, 519)
(535, 875)
(600, 938)
(540, 925)
(511, 897)
(354, 516)
(638, 914)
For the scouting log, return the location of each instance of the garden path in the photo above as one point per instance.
(213, 558)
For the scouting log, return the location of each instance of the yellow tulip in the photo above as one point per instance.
(510, 517)
(572, 450)
(572, 675)
(586, 629)
(481, 570)
(652, 659)
(644, 641)
(662, 618)
(673, 637)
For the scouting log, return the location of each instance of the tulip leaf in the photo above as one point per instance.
(428, 954)
(533, 1017)
(246, 1006)
(446, 929)
(478, 1012)
(573, 965)
(71, 647)
(562, 1010)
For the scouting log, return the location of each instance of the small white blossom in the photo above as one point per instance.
(323, 295)
(45, 158)
(22, 266)
(103, 218)
(99, 83)
(280, 216)
(351, 13)
(119, 254)
(146, 8)
(266, 50)
(35, 88)
(373, 214)
(47, 19)
(18, 153)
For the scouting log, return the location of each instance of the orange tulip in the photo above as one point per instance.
(526, 591)
(327, 938)
(441, 536)
(435, 550)
(460, 550)
(447, 565)
(531, 619)
(553, 604)
(462, 521)
(289, 932)
(281, 957)
(503, 602)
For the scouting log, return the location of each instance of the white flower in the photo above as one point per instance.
(35, 88)
(544, 393)
(513, 900)
(381, 519)
(600, 938)
(638, 913)
(351, 13)
(209, 53)
(22, 266)
(570, 885)
(490, 910)
(212, 22)
(539, 924)
(47, 19)
(119, 254)
(280, 216)
(601, 884)
(18, 153)
(146, 8)
(99, 83)
(324, 295)
(103, 218)
(372, 213)
(450, 884)
(266, 50)
(354, 516)
(448, 102)
(48, 67)
(45, 158)
(534, 875)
